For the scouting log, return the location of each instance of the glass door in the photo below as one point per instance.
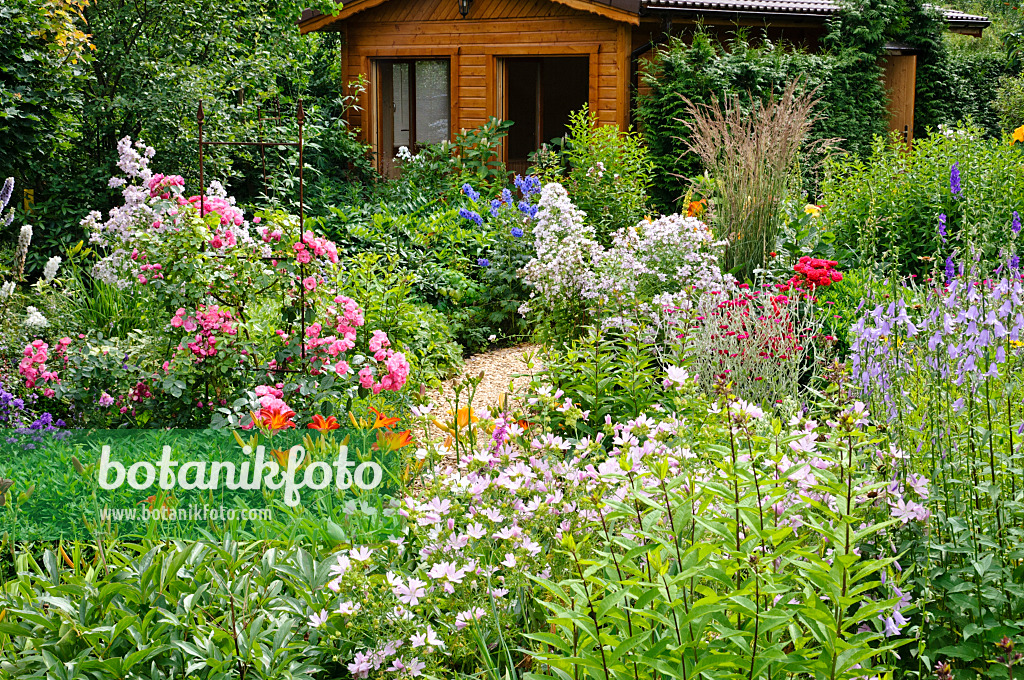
(414, 106)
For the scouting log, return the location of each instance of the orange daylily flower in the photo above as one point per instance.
(392, 441)
(696, 208)
(462, 419)
(281, 456)
(1018, 135)
(274, 418)
(150, 502)
(324, 424)
(382, 420)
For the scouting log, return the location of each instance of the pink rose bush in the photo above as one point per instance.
(32, 366)
(241, 295)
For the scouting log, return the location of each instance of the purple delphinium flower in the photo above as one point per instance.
(483, 262)
(942, 225)
(527, 208)
(954, 179)
(470, 215)
(528, 185)
(1014, 262)
(1015, 224)
(469, 191)
(495, 207)
(517, 232)
(950, 269)
(506, 197)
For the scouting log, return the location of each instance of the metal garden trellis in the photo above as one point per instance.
(262, 144)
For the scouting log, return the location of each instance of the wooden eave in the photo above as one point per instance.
(624, 11)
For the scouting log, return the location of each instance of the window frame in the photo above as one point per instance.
(386, 155)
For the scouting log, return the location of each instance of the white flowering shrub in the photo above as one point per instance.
(566, 250)
(654, 265)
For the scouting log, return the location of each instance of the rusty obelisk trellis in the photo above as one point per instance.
(262, 144)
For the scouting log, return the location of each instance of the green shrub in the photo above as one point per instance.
(976, 85)
(389, 304)
(1010, 102)
(887, 207)
(845, 79)
(605, 373)
(606, 171)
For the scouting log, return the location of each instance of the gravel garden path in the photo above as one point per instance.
(499, 368)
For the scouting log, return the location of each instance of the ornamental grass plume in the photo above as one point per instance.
(752, 154)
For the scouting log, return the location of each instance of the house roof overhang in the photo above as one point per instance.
(630, 11)
(627, 11)
(816, 11)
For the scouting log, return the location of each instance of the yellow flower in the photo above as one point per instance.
(812, 210)
(1018, 135)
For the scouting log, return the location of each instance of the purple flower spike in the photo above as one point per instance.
(1015, 224)
(942, 226)
(954, 179)
(8, 189)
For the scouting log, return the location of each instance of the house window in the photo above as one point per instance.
(414, 105)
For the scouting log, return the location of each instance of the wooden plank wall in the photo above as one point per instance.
(493, 29)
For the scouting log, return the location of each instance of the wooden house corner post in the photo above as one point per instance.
(624, 49)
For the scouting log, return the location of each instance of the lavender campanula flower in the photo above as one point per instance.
(950, 269)
(942, 226)
(1014, 225)
(954, 179)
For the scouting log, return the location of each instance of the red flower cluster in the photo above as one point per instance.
(812, 272)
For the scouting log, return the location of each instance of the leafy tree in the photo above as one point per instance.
(43, 54)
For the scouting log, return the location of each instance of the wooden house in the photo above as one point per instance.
(434, 67)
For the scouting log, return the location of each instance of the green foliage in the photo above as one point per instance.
(887, 207)
(975, 92)
(476, 152)
(850, 107)
(390, 304)
(607, 373)
(160, 610)
(1010, 102)
(690, 575)
(606, 171)
(43, 54)
(853, 106)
